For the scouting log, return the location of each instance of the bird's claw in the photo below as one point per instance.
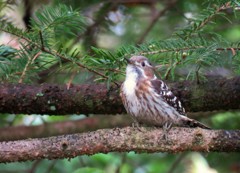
(137, 125)
(166, 128)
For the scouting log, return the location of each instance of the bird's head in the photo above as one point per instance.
(140, 67)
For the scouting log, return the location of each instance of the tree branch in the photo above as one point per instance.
(186, 49)
(61, 128)
(13, 133)
(120, 140)
(57, 99)
(155, 19)
(216, 94)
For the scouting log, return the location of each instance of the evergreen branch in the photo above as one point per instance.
(184, 49)
(229, 49)
(58, 18)
(121, 140)
(78, 64)
(196, 26)
(49, 20)
(55, 53)
(209, 18)
(43, 31)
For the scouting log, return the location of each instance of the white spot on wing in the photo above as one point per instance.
(169, 93)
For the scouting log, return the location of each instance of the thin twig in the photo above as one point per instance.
(197, 75)
(41, 39)
(185, 49)
(112, 70)
(91, 30)
(227, 5)
(169, 70)
(30, 61)
(155, 19)
(70, 80)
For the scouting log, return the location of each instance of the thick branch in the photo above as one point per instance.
(120, 140)
(76, 126)
(218, 94)
(57, 99)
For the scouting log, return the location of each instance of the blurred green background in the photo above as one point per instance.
(111, 25)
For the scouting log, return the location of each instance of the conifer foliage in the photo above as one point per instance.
(43, 46)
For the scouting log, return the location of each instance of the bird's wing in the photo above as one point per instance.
(162, 89)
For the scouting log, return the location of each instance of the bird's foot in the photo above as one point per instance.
(138, 126)
(166, 128)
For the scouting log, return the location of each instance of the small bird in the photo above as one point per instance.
(149, 101)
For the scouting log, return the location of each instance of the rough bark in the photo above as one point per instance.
(218, 94)
(58, 100)
(73, 126)
(120, 140)
(61, 128)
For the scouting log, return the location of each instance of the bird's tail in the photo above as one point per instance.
(187, 122)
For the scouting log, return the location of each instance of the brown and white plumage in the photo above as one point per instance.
(148, 100)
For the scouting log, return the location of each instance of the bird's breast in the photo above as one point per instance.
(129, 87)
(130, 99)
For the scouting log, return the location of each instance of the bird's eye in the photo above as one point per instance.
(143, 64)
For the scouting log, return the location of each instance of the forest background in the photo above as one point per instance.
(66, 59)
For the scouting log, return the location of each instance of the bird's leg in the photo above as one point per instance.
(166, 128)
(137, 125)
